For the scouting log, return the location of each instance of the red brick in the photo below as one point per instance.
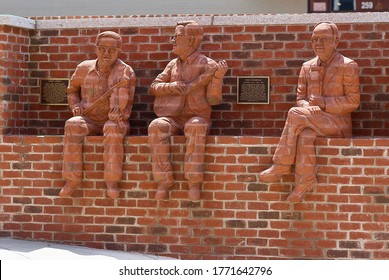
(360, 199)
(374, 245)
(381, 255)
(374, 208)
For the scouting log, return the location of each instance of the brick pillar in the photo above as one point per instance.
(14, 43)
(2, 72)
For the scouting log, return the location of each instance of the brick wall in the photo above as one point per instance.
(272, 49)
(345, 217)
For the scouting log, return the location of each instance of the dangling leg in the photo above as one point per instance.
(159, 133)
(305, 175)
(113, 155)
(285, 153)
(196, 130)
(75, 130)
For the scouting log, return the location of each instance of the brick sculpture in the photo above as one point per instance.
(100, 95)
(327, 93)
(185, 92)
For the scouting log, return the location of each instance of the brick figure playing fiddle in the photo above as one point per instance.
(327, 93)
(184, 93)
(100, 96)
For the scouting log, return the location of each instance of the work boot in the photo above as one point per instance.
(69, 188)
(274, 173)
(163, 187)
(194, 191)
(300, 190)
(112, 189)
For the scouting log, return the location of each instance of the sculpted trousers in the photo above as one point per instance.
(195, 130)
(296, 145)
(76, 129)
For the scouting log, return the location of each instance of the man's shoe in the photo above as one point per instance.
(69, 188)
(274, 173)
(194, 191)
(112, 189)
(163, 187)
(300, 191)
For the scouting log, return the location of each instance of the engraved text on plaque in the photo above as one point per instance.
(253, 90)
(53, 91)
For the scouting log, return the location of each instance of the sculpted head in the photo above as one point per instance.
(187, 38)
(108, 47)
(325, 39)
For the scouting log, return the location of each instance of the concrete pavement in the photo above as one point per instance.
(15, 249)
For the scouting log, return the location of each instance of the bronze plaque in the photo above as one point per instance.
(53, 91)
(253, 90)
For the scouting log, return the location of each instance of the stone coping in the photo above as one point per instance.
(15, 21)
(71, 22)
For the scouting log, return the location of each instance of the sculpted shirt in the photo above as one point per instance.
(87, 85)
(202, 91)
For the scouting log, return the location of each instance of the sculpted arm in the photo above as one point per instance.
(121, 106)
(74, 92)
(130, 93)
(162, 85)
(314, 103)
(302, 88)
(214, 88)
(349, 102)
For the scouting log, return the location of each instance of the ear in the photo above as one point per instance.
(336, 42)
(192, 40)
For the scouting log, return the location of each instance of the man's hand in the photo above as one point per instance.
(315, 110)
(114, 115)
(222, 69)
(178, 88)
(317, 100)
(77, 111)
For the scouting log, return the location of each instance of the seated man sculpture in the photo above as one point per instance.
(327, 93)
(100, 96)
(184, 93)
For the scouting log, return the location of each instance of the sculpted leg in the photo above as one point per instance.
(113, 156)
(196, 130)
(285, 153)
(305, 175)
(296, 146)
(274, 173)
(159, 133)
(75, 131)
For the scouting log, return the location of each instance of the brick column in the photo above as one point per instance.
(14, 48)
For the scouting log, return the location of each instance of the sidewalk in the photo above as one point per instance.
(14, 249)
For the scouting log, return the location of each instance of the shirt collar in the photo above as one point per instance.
(94, 66)
(190, 58)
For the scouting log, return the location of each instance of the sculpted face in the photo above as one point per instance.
(182, 45)
(324, 41)
(107, 51)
